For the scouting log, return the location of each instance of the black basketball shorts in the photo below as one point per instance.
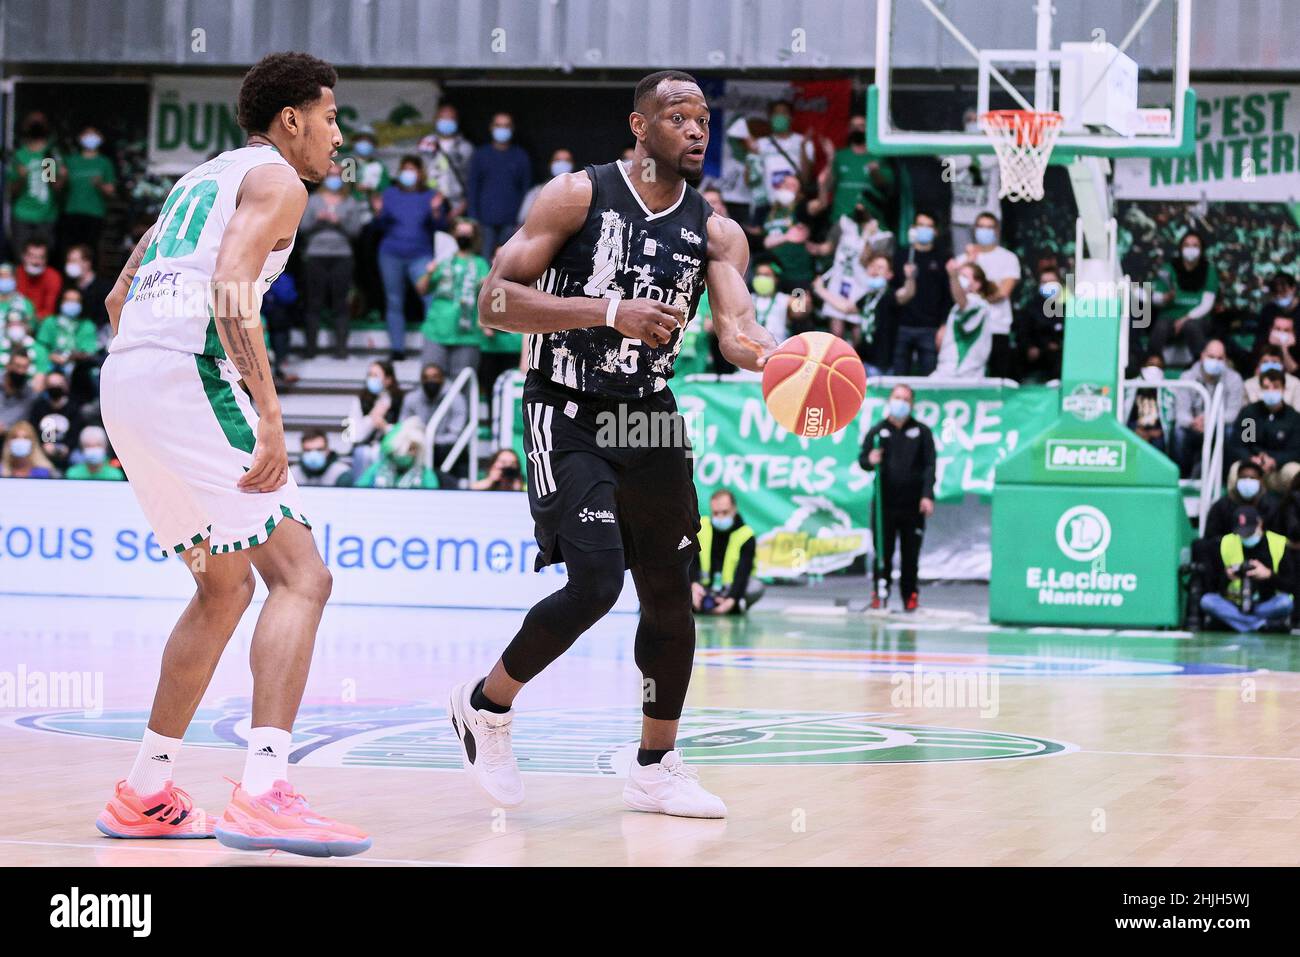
(606, 473)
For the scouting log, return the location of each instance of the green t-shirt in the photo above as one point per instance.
(36, 203)
(37, 353)
(64, 336)
(452, 318)
(794, 259)
(18, 303)
(84, 199)
(106, 473)
(1184, 300)
(851, 178)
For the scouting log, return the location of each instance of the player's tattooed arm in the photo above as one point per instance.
(743, 341)
(268, 209)
(509, 302)
(117, 297)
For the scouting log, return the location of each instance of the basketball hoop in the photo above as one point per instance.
(1023, 140)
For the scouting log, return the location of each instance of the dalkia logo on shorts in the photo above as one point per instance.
(1086, 455)
(1087, 401)
(597, 515)
(1082, 535)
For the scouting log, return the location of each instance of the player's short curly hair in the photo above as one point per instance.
(279, 80)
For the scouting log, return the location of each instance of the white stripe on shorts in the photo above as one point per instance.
(539, 422)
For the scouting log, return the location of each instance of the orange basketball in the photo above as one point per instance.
(814, 384)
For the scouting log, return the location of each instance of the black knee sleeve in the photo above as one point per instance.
(665, 638)
(555, 622)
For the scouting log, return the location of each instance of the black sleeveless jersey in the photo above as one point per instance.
(625, 251)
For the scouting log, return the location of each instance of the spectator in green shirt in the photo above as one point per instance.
(786, 233)
(1184, 295)
(93, 463)
(91, 180)
(453, 337)
(400, 462)
(69, 338)
(36, 174)
(12, 301)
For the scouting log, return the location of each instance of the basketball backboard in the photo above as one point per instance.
(1117, 70)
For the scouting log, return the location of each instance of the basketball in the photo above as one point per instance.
(814, 384)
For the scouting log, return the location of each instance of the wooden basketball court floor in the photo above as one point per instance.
(835, 739)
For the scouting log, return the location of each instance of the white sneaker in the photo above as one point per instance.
(485, 747)
(670, 787)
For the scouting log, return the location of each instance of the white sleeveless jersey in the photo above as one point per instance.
(169, 305)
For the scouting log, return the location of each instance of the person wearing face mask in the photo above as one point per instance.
(92, 463)
(561, 163)
(37, 280)
(901, 450)
(924, 304)
(1270, 357)
(1002, 267)
(975, 181)
(318, 464)
(1150, 411)
(409, 216)
(786, 232)
(965, 341)
(1280, 335)
(783, 152)
(58, 419)
(870, 318)
(373, 414)
(500, 172)
(330, 224)
(503, 474)
(369, 179)
(400, 462)
(1254, 577)
(453, 338)
(22, 457)
(1283, 304)
(854, 178)
(79, 271)
(448, 159)
(1210, 370)
(16, 392)
(1041, 327)
(69, 337)
(722, 570)
(16, 339)
(1184, 295)
(1268, 433)
(92, 180)
(421, 403)
(33, 192)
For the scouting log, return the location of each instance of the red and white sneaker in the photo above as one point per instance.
(281, 820)
(670, 787)
(169, 814)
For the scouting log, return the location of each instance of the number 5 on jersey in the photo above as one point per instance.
(627, 355)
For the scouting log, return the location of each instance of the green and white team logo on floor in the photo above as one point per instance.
(582, 741)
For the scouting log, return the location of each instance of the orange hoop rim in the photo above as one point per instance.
(1027, 126)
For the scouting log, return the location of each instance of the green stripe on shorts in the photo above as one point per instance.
(221, 397)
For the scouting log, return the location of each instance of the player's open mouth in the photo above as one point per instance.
(695, 151)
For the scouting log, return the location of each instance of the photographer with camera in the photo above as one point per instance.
(1256, 577)
(720, 573)
(503, 474)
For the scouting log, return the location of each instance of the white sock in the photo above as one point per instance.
(268, 759)
(154, 763)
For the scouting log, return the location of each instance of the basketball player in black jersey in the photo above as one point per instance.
(603, 277)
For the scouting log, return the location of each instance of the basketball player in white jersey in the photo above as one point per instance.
(210, 472)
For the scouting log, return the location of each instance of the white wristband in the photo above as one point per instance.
(611, 310)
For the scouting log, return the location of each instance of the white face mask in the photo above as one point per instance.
(964, 282)
(1191, 253)
(1153, 374)
(72, 270)
(783, 197)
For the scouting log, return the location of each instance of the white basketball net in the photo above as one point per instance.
(1023, 141)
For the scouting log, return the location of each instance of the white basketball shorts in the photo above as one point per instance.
(184, 432)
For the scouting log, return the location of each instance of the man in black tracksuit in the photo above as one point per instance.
(903, 449)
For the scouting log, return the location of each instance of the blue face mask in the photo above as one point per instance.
(1270, 366)
(313, 460)
(1247, 487)
(502, 134)
(408, 178)
(364, 147)
(924, 235)
(70, 309)
(1272, 398)
(724, 524)
(374, 384)
(899, 408)
(7, 285)
(446, 126)
(94, 455)
(90, 142)
(20, 448)
(334, 182)
(1284, 301)
(876, 283)
(560, 167)
(1212, 367)
(986, 236)
(1049, 289)
(1250, 541)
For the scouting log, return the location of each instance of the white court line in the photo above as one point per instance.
(1166, 754)
(224, 853)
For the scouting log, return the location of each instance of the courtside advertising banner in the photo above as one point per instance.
(412, 548)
